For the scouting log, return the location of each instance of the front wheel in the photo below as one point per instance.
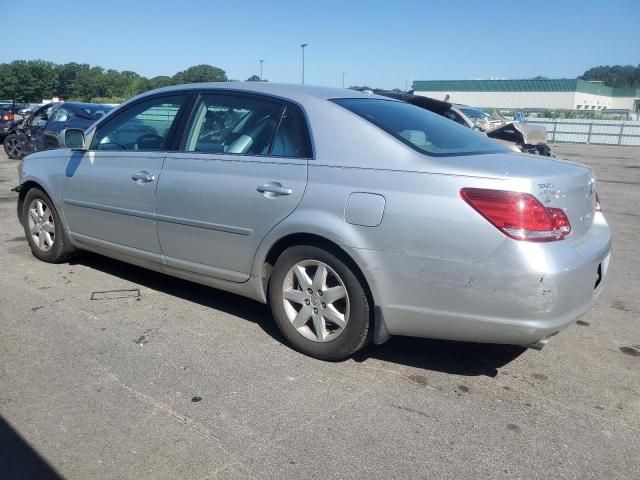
(13, 147)
(319, 304)
(43, 228)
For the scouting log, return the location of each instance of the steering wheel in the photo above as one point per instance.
(149, 136)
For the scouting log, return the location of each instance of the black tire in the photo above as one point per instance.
(13, 146)
(60, 249)
(357, 331)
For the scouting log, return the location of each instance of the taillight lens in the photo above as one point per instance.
(8, 117)
(598, 208)
(518, 215)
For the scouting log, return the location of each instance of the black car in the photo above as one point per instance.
(40, 130)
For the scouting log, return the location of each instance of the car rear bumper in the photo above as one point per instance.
(521, 294)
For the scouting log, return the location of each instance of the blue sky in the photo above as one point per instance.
(382, 44)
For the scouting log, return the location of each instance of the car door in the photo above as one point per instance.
(35, 125)
(109, 190)
(242, 169)
(60, 117)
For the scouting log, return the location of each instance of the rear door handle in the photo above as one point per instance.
(274, 189)
(143, 177)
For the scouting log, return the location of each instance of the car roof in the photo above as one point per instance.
(291, 91)
(83, 104)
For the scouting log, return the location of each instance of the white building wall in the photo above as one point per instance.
(551, 100)
(589, 101)
(508, 99)
(626, 103)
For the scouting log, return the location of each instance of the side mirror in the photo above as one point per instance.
(73, 138)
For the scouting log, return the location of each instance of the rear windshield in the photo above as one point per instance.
(421, 129)
(475, 113)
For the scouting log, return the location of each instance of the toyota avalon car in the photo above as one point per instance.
(354, 216)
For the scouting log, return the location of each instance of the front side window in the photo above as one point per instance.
(233, 125)
(62, 115)
(143, 126)
(420, 129)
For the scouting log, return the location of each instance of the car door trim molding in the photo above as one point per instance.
(207, 225)
(161, 218)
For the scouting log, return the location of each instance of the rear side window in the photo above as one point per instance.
(233, 125)
(421, 129)
(290, 140)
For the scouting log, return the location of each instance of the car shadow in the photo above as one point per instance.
(18, 460)
(461, 358)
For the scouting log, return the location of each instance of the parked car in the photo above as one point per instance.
(18, 132)
(516, 136)
(41, 129)
(354, 216)
(8, 112)
(7, 118)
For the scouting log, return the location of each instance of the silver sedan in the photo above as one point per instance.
(354, 216)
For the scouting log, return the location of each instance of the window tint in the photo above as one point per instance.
(61, 115)
(475, 113)
(233, 124)
(422, 130)
(290, 137)
(143, 126)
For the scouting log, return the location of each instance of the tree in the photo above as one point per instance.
(160, 81)
(34, 80)
(27, 80)
(89, 84)
(66, 78)
(614, 75)
(253, 78)
(200, 73)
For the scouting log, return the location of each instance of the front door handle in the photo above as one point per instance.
(274, 189)
(143, 177)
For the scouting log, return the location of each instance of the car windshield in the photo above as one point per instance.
(475, 113)
(422, 130)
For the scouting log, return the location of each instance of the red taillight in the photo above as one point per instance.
(598, 208)
(8, 117)
(518, 215)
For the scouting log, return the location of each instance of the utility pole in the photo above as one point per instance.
(261, 62)
(343, 74)
(303, 46)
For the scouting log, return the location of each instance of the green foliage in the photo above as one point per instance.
(614, 75)
(26, 81)
(200, 73)
(253, 78)
(34, 80)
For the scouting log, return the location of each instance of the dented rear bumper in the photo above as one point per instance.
(521, 294)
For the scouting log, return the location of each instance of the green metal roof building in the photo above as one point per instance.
(547, 93)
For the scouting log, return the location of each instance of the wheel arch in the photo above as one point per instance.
(22, 193)
(380, 333)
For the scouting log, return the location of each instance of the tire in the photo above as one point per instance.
(305, 291)
(40, 220)
(13, 146)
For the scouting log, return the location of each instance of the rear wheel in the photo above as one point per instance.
(319, 304)
(13, 147)
(43, 228)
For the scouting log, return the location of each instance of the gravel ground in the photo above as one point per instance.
(184, 381)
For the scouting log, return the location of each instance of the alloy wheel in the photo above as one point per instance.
(13, 147)
(315, 300)
(41, 225)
